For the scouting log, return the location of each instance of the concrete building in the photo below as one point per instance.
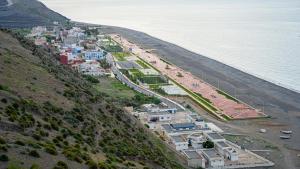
(158, 108)
(194, 159)
(226, 150)
(94, 55)
(196, 140)
(159, 116)
(198, 120)
(213, 158)
(214, 137)
(179, 142)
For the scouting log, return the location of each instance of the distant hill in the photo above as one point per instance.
(27, 13)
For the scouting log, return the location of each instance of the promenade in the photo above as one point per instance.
(232, 108)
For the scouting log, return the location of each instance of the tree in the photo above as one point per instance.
(208, 144)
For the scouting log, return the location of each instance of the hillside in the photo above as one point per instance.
(27, 13)
(52, 117)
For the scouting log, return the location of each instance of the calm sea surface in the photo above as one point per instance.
(261, 37)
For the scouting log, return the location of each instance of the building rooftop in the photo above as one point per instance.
(178, 139)
(178, 126)
(211, 153)
(192, 154)
(215, 136)
(222, 144)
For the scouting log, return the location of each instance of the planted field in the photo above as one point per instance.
(143, 64)
(121, 56)
(136, 73)
(152, 80)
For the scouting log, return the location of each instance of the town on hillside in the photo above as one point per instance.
(96, 55)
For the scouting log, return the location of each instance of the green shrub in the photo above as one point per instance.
(34, 153)
(35, 166)
(61, 165)
(208, 144)
(92, 164)
(91, 79)
(2, 141)
(50, 149)
(18, 142)
(2, 87)
(4, 157)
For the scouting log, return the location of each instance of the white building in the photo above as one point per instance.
(196, 140)
(214, 137)
(91, 68)
(158, 108)
(226, 150)
(160, 116)
(194, 159)
(179, 142)
(214, 159)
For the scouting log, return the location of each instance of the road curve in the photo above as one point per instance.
(120, 76)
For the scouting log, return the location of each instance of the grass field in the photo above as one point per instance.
(143, 64)
(121, 56)
(114, 88)
(152, 80)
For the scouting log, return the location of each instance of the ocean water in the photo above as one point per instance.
(261, 37)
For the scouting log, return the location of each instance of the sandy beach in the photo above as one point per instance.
(281, 104)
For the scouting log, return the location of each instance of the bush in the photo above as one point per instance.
(61, 165)
(4, 100)
(34, 153)
(91, 79)
(208, 144)
(51, 150)
(18, 142)
(2, 141)
(4, 157)
(92, 164)
(35, 166)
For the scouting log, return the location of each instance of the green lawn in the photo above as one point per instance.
(143, 64)
(121, 56)
(114, 88)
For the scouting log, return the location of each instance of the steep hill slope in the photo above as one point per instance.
(27, 13)
(51, 117)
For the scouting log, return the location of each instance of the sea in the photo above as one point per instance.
(260, 37)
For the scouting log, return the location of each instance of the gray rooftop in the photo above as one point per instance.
(215, 136)
(211, 153)
(192, 154)
(167, 127)
(223, 144)
(178, 139)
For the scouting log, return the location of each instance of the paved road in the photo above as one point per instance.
(120, 76)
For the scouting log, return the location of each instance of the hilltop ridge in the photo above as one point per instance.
(27, 13)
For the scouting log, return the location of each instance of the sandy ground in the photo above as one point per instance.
(281, 104)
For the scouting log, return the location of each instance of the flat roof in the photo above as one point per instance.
(183, 125)
(211, 153)
(167, 127)
(223, 144)
(178, 139)
(215, 136)
(192, 154)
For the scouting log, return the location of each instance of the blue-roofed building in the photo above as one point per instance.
(94, 55)
(183, 126)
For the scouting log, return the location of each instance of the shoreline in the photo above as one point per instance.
(279, 84)
(253, 75)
